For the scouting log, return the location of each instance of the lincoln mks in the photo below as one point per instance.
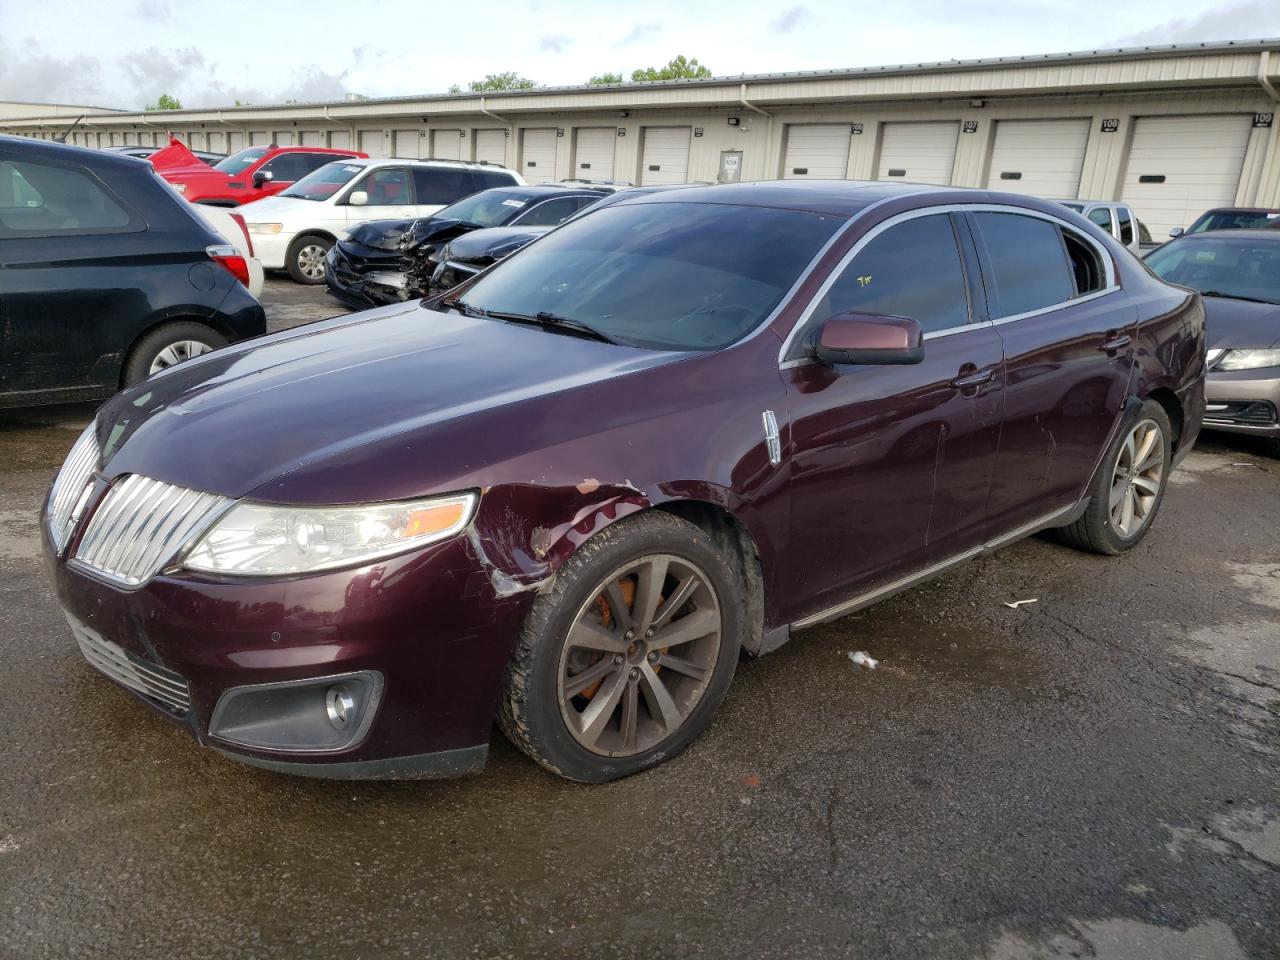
(570, 492)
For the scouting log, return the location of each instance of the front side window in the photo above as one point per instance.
(325, 182)
(1102, 217)
(41, 200)
(911, 270)
(1028, 263)
(670, 276)
(1126, 226)
(551, 212)
(285, 168)
(442, 185)
(387, 187)
(238, 163)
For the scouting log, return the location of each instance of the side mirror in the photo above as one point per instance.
(263, 176)
(358, 198)
(870, 338)
(1176, 232)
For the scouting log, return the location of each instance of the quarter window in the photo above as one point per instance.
(1028, 263)
(911, 270)
(45, 201)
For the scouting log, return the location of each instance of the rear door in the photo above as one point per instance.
(1068, 345)
(436, 187)
(70, 253)
(891, 465)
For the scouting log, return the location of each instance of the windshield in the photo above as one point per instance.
(491, 208)
(242, 161)
(1227, 267)
(1236, 220)
(671, 276)
(323, 183)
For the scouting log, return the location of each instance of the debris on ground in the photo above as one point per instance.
(862, 660)
(1014, 605)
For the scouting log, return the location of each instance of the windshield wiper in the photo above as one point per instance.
(1233, 296)
(550, 321)
(464, 308)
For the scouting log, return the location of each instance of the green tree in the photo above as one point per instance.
(606, 78)
(501, 81)
(678, 69)
(165, 102)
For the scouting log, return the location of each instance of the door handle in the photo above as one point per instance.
(1114, 345)
(976, 379)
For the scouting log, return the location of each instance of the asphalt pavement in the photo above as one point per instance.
(1093, 774)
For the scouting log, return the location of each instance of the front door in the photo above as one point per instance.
(891, 465)
(1068, 357)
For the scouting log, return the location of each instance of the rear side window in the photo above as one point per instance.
(911, 270)
(486, 179)
(1028, 263)
(1126, 225)
(442, 185)
(41, 200)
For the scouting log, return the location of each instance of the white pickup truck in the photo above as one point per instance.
(1118, 220)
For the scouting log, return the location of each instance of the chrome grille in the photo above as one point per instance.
(140, 525)
(149, 679)
(70, 487)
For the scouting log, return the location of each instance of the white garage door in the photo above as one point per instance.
(218, 142)
(666, 155)
(593, 157)
(282, 138)
(371, 143)
(1042, 158)
(311, 138)
(235, 141)
(491, 146)
(340, 140)
(1179, 167)
(816, 151)
(538, 155)
(918, 152)
(446, 144)
(404, 143)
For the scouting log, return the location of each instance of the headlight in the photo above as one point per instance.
(267, 228)
(263, 539)
(1247, 359)
(180, 187)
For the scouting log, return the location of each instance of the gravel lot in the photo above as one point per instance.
(1091, 775)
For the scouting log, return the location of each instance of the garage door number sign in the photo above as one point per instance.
(1263, 120)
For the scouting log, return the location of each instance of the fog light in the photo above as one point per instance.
(340, 706)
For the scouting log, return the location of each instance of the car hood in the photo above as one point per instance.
(1241, 324)
(339, 398)
(380, 234)
(493, 241)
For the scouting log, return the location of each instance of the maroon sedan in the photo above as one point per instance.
(572, 491)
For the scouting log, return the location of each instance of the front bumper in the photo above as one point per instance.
(1244, 401)
(357, 285)
(429, 626)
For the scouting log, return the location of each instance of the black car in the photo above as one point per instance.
(106, 276)
(386, 261)
(142, 153)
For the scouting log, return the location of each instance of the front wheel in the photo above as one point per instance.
(625, 660)
(305, 260)
(1129, 487)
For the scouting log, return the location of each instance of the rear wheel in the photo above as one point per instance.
(624, 662)
(168, 346)
(305, 260)
(1129, 487)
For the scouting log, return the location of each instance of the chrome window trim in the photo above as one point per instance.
(1108, 263)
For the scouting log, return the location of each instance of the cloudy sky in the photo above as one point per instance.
(124, 53)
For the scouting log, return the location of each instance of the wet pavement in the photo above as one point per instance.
(1091, 775)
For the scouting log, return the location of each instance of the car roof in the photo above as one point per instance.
(1266, 234)
(1240, 210)
(841, 198)
(427, 162)
(65, 152)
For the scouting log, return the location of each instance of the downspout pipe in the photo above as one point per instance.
(489, 113)
(1264, 61)
(742, 99)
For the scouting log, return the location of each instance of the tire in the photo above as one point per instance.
(538, 711)
(1099, 529)
(170, 344)
(305, 260)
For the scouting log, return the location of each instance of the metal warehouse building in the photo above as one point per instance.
(1174, 130)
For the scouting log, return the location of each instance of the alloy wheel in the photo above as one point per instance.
(1136, 481)
(639, 656)
(311, 261)
(176, 352)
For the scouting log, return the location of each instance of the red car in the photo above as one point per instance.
(251, 174)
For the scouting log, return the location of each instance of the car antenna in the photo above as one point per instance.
(63, 138)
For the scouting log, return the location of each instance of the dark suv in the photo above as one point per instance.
(106, 275)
